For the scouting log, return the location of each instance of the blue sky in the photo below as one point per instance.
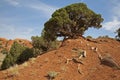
(26, 18)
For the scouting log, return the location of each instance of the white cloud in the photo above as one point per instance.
(112, 25)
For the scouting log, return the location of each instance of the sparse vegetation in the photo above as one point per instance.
(52, 74)
(106, 36)
(13, 71)
(24, 64)
(32, 60)
(89, 37)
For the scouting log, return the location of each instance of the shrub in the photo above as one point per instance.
(19, 54)
(13, 71)
(89, 37)
(36, 52)
(25, 55)
(105, 36)
(28, 53)
(39, 43)
(52, 74)
(54, 45)
(8, 61)
(11, 58)
(43, 45)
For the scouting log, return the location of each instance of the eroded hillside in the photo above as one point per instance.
(56, 61)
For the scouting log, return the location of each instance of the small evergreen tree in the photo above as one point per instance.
(11, 58)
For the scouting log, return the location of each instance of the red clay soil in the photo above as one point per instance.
(56, 61)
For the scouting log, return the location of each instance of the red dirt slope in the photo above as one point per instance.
(56, 61)
(4, 43)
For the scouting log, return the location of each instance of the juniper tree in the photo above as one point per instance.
(71, 21)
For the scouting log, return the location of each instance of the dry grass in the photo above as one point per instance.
(12, 72)
(32, 60)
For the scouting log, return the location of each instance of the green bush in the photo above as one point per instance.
(39, 43)
(89, 37)
(36, 52)
(19, 53)
(25, 55)
(8, 61)
(105, 36)
(43, 45)
(11, 58)
(28, 53)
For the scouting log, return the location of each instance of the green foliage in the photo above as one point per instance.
(71, 21)
(11, 58)
(28, 53)
(54, 45)
(36, 52)
(41, 45)
(25, 55)
(19, 53)
(118, 34)
(89, 37)
(7, 62)
(106, 36)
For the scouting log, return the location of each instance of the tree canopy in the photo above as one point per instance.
(71, 21)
